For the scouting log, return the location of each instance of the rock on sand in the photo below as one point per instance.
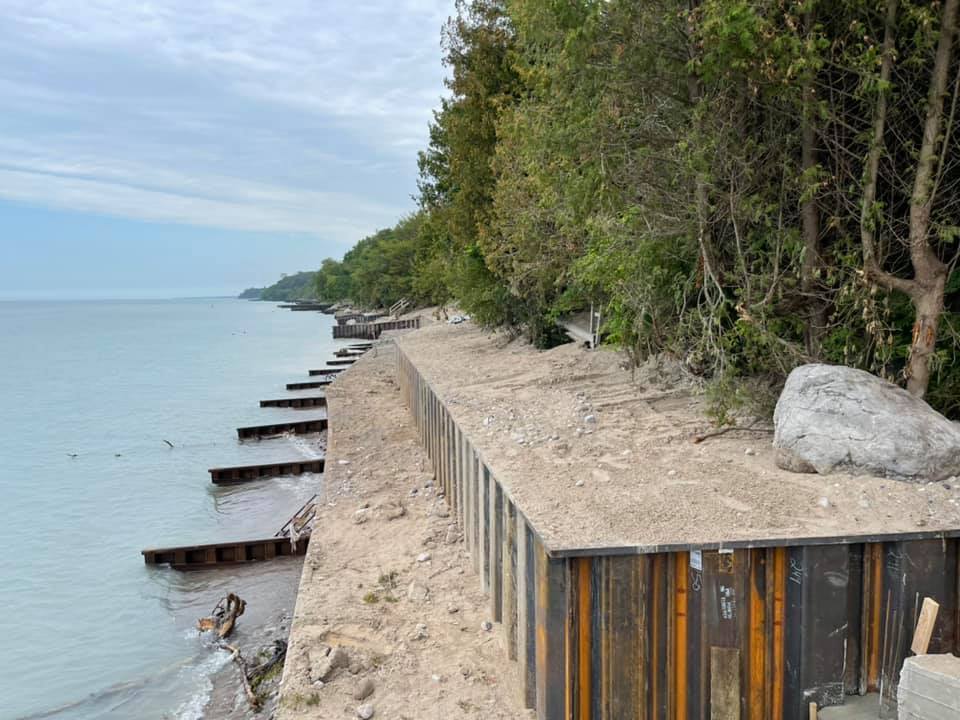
(832, 418)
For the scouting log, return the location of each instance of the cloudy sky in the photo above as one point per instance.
(176, 147)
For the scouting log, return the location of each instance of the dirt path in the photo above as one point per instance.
(388, 600)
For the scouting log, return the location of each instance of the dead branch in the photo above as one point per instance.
(242, 666)
(224, 616)
(696, 439)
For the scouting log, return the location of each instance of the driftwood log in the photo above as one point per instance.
(224, 616)
(222, 621)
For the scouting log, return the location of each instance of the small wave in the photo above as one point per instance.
(310, 448)
(104, 697)
(201, 678)
(123, 698)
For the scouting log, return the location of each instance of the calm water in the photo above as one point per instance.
(86, 630)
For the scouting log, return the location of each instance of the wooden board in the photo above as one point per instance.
(724, 683)
(924, 631)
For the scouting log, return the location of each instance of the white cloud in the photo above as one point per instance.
(329, 215)
(295, 115)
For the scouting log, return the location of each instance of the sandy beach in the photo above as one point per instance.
(387, 586)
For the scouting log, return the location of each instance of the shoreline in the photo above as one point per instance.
(227, 700)
(99, 484)
(389, 618)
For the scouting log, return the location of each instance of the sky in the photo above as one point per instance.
(170, 148)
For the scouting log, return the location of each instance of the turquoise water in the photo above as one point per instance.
(86, 630)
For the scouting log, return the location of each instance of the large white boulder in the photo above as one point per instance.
(837, 419)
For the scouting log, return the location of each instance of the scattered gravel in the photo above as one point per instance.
(649, 484)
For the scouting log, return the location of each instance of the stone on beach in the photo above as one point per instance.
(839, 419)
(322, 664)
(394, 510)
(417, 593)
(364, 689)
(419, 632)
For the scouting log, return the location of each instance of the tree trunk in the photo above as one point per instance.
(871, 264)
(810, 218)
(928, 305)
(702, 192)
(929, 272)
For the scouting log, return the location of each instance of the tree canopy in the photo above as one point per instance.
(748, 185)
(299, 286)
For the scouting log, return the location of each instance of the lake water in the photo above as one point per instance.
(86, 630)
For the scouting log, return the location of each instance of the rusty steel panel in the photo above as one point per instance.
(483, 479)
(696, 649)
(509, 581)
(495, 548)
(527, 631)
(817, 622)
(552, 611)
(579, 702)
(624, 672)
(851, 674)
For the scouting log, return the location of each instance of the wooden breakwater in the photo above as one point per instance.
(373, 330)
(246, 473)
(193, 557)
(308, 384)
(754, 629)
(306, 306)
(342, 361)
(296, 402)
(297, 427)
(325, 371)
(358, 317)
(293, 537)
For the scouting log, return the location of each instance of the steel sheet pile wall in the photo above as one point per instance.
(754, 632)
(358, 317)
(373, 330)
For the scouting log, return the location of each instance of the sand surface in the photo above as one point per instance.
(597, 456)
(410, 624)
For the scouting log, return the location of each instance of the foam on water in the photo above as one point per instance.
(308, 448)
(199, 677)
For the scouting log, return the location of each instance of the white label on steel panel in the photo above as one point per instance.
(696, 560)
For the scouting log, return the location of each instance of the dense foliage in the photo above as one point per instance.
(380, 269)
(748, 185)
(299, 286)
